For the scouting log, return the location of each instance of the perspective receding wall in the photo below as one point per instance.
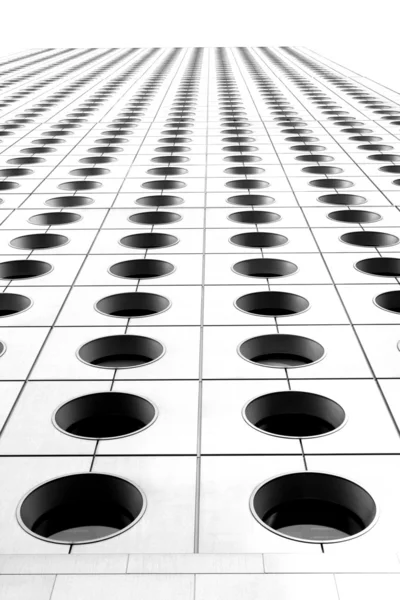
(200, 326)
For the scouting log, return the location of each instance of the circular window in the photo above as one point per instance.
(120, 351)
(132, 304)
(81, 508)
(272, 304)
(265, 267)
(256, 217)
(39, 241)
(313, 507)
(24, 269)
(294, 414)
(259, 239)
(379, 266)
(12, 304)
(369, 238)
(149, 240)
(142, 268)
(281, 351)
(105, 415)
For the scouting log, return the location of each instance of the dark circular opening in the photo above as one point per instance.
(354, 216)
(81, 508)
(155, 218)
(251, 200)
(37, 150)
(331, 183)
(8, 185)
(32, 160)
(314, 507)
(258, 239)
(314, 158)
(369, 238)
(149, 240)
(384, 157)
(120, 351)
(282, 351)
(389, 301)
(254, 216)
(294, 414)
(39, 241)
(69, 201)
(141, 269)
(105, 415)
(247, 184)
(239, 158)
(265, 267)
(75, 186)
(165, 184)
(322, 170)
(11, 304)
(93, 160)
(57, 218)
(15, 172)
(380, 266)
(272, 304)
(244, 170)
(306, 147)
(167, 171)
(169, 159)
(390, 169)
(23, 269)
(342, 199)
(132, 304)
(159, 201)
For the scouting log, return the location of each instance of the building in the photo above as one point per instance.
(200, 326)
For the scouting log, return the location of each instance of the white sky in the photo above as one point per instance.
(363, 36)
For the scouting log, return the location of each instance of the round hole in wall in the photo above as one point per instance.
(149, 240)
(265, 267)
(389, 301)
(105, 415)
(331, 183)
(251, 200)
(354, 216)
(272, 304)
(379, 266)
(57, 218)
(39, 241)
(155, 218)
(69, 201)
(314, 158)
(166, 171)
(322, 170)
(159, 201)
(369, 238)
(256, 217)
(81, 508)
(281, 351)
(141, 269)
(133, 304)
(76, 186)
(313, 507)
(342, 199)
(24, 269)
(259, 239)
(294, 414)
(12, 304)
(120, 351)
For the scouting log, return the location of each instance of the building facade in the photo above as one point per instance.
(200, 325)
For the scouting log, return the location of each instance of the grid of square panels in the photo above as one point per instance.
(200, 308)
